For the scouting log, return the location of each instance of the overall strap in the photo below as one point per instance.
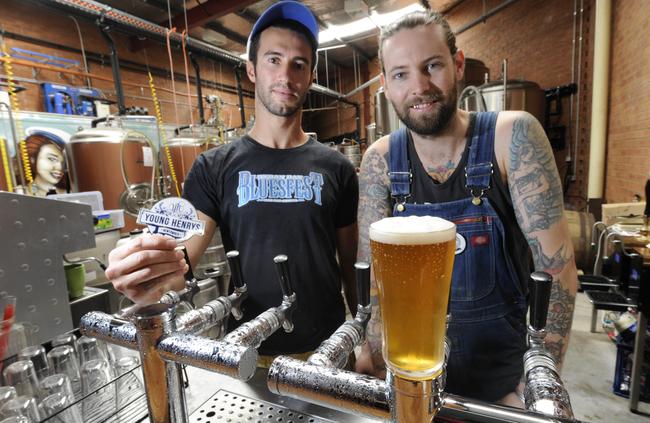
(479, 164)
(399, 170)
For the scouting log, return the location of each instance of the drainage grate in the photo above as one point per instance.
(226, 406)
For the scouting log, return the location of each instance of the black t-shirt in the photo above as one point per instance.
(281, 201)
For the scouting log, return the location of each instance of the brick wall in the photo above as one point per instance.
(628, 143)
(28, 19)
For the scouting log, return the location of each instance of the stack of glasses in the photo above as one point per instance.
(72, 383)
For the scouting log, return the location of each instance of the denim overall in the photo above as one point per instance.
(488, 308)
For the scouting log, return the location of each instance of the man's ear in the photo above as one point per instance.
(382, 81)
(250, 71)
(459, 64)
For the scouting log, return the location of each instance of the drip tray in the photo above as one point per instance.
(225, 406)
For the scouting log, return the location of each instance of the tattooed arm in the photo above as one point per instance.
(374, 204)
(537, 198)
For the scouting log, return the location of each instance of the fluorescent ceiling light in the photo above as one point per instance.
(364, 25)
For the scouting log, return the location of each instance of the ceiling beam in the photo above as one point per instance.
(350, 44)
(208, 11)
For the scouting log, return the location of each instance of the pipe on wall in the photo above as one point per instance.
(599, 103)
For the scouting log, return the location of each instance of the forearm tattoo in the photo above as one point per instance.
(560, 314)
(552, 265)
(533, 178)
(374, 204)
(374, 200)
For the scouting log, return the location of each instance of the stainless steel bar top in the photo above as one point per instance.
(204, 384)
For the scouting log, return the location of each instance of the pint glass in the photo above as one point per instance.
(412, 260)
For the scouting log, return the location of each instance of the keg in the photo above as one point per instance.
(350, 149)
(580, 227)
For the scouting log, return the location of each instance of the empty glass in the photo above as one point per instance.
(91, 349)
(59, 409)
(98, 393)
(21, 406)
(36, 353)
(20, 336)
(57, 383)
(22, 376)
(69, 339)
(129, 382)
(7, 393)
(63, 360)
(15, 419)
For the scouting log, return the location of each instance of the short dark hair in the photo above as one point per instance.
(291, 25)
(413, 20)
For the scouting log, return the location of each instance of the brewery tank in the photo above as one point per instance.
(520, 95)
(385, 116)
(185, 148)
(118, 162)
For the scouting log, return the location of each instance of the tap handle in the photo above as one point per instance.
(282, 267)
(362, 273)
(235, 268)
(540, 293)
(189, 275)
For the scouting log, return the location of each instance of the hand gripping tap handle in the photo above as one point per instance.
(539, 286)
(189, 275)
(282, 267)
(235, 268)
(362, 274)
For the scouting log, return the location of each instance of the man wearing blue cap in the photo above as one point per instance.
(274, 191)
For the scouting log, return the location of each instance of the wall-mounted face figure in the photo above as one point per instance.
(47, 160)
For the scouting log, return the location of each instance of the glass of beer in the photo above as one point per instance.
(412, 260)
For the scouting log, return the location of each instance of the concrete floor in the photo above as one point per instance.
(588, 373)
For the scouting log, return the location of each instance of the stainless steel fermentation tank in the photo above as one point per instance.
(118, 162)
(519, 95)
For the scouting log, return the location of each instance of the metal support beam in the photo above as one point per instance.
(208, 11)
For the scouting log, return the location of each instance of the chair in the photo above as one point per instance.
(599, 281)
(628, 266)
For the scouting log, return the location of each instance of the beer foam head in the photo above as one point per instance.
(412, 230)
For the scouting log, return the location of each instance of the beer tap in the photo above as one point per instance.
(544, 391)
(335, 350)
(252, 333)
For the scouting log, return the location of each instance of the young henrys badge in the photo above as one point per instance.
(172, 216)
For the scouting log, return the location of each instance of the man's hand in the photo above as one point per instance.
(146, 267)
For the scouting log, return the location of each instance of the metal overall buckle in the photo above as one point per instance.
(476, 199)
(400, 200)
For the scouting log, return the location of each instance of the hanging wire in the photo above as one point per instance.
(15, 107)
(187, 79)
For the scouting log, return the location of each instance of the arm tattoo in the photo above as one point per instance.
(374, 204)
(534, 181)
(552, 265)
(374, 200)
(560, 313)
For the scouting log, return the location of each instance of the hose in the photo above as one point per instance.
(163, 135)
(5, 164)
(15, 108)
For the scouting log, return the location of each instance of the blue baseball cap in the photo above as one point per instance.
(291, 10)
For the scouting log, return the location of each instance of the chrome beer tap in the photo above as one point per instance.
(319, 381)
(252, 333)
(544, 391)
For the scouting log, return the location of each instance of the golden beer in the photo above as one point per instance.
(412, 260)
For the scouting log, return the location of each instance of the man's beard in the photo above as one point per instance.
(277, 109)
(432, 123)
